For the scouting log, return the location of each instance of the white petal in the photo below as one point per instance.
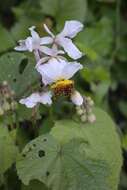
(52, 70)
(48, 31)
(71, 28)
(31, 100)
(45, 98)
(35, 98)
(20, 48)
(42, 60)
(69, 47)
(70, 69)
(47, 51)
(34, 34)
(76, 98)
(46, 40)
(29, 44)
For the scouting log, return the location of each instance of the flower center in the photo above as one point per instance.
(63, 87)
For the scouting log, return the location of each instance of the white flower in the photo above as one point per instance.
(57, 73)
(63, 39)
(50, 54)
(35, 98)
(32, 42)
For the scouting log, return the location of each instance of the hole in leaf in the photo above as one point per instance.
(45, 140)
(29, 149)
(14, 80)
(47, 173)
(23, 65)
(24, 155)
(41, 153)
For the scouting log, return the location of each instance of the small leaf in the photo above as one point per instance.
(8, 150)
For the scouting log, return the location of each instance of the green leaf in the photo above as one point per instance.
(124, 142)
(123, 107)
(93, 39)
(10, 64)
(102, 140)
(65, 10)
(6, 41)
(61, 167)
(8, 150)
(34, 185)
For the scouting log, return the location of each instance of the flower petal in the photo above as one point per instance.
(42, 60)
(48, 31)
(71, 28)
(47, 51)
(52, 70)
(69, 47)
(29, 44)
(76, 98)
(45, 98)
(70, 69)
(31, 100)
(46, 40)
(35, 98)
(34, 34)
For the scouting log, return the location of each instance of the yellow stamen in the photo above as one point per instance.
(63, 87)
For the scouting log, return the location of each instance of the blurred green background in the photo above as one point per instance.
(103, 41)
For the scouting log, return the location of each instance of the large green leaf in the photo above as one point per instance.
(8, 150)
(65, 10)
(96, 40)
(62, 167)
(101, 139)
(6, 41)
(34, 185)
(10, 65)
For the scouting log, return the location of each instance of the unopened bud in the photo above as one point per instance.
(5, 83)
(91, 103)
(1, 111)
(80, 112)
(83, 118)
(89, 110)
(14, 105)
(6, 106)
(92, 118)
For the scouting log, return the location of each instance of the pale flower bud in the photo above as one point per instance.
(91, 118)
(80, 112)
(83, 118)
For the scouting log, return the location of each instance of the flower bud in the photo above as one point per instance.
(91, 103)
(83, 118)
(14, 105)
(91, 118)
(89, 110)
(80, 112)
(6, 106)
(5, 83)
(1, 111)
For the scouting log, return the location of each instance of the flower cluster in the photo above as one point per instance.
(7, 100)
(55, 70)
